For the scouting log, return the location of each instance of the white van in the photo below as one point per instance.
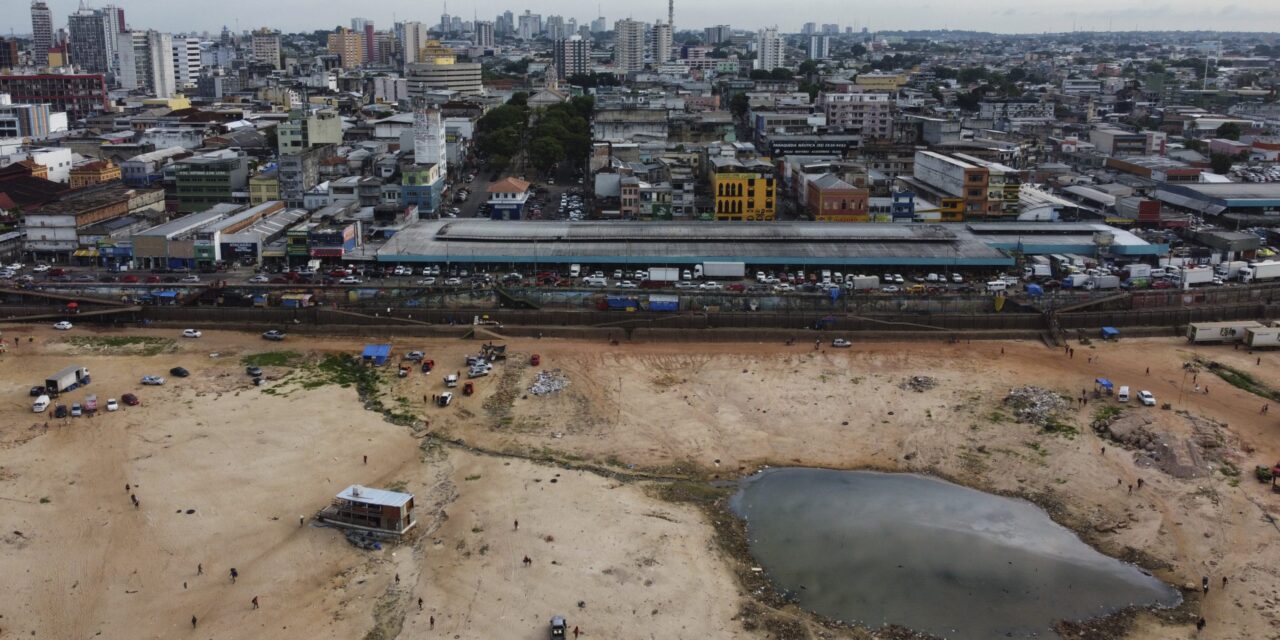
(575, 270)
(997, 285)
(826, 276)
(40, 404)
(1123, 394)
(596, 281)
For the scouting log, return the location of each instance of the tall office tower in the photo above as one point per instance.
(570, 26)
(628, 48)
(571, 56)
(555, 28)
(349, 46)
(671, 15)
(146, 62)
(819, 47)
(530, 26)
(508, 23)
(428, 136)
(370, 44)
(41, 33)
(415, 37)
(186, 61)
(717, 34)
(484, 34)
(831, 29)
(661, 43)
(599, 25)
(266, 47)
(357, 24)
(809, 28)
(93, 40)
(768, 49)
(446, 22)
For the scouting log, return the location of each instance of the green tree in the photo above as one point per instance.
(808, 67)
(1220, 163)
(760, 74)
(545, 153)
(519, 99)
(1229, 130)
(740, 105)
(857, 51)
(781, 73)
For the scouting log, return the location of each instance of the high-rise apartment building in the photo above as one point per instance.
(530, 26)
(446, 23)
(146, 62)
(78, 95)
(572, 56)
(41, 32)
(809, 28)
(599, 25)
(555, 29)
(92, 44)
(831, 29)
(186, 61)
(265, 47)
(444, 74)
(717, 34)
(506, 23)
(8, 53)
(662, 42)
(819, 47)
(348, 46)
(769, 53)
(628, 48)
(484, 34)
(415, 37)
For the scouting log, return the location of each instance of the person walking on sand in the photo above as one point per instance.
(517, 527)
(419, 604)
(199, 569)
(431, 622)
(1148, 370)
(193, 622)
(1200, 624)
(255, 602)
(234, 574)
(575, 632)
(366, 459)
(1204, 583)
(527, 561)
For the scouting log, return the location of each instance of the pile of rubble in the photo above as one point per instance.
(918, 384)
(1035, 405)
(548, 382)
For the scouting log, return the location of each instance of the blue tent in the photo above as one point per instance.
(1035, 290)
(1104, 383)
(1110, 333)
(376, 353)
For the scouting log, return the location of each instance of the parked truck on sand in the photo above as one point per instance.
(67, 379)
(1258, 271)
(1232, 331)
(724, 269)
(1262, 337)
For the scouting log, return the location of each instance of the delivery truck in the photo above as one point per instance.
(724, 269)
(1230, 270)
(1262, 337)
(862, 283)
(70, 378)
(1077, 281)
(1260, 271)
(1136, 271)
(664, 274)
(1232, 331)
(1035, 270)
(1103, 283)
(1189, 277)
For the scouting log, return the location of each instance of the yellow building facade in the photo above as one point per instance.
(744, 196)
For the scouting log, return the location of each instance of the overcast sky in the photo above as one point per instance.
(1022, 16)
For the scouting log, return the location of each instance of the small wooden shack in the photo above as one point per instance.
(378, 510)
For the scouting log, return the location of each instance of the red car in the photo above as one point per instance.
(130, 400)
(153, 279)
(339, 273)
(736, 287)
(1161, 284)
(130, 279)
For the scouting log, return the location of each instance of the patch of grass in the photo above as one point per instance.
(1229, 470)
(998, 417)
(1106, 412)
(1060, 428)
(134, 345)
(398, 486)
(695, 492)
(472, 478)
(45, 500)
(1243, 381)
(272, 359)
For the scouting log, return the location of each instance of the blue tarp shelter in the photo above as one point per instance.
(1103, 383)
(376, 353)
(1110, 333)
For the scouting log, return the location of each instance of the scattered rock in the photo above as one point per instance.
(1036, 405)
(548, 382)
(919, 384)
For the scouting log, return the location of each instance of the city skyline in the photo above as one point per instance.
(998, 16)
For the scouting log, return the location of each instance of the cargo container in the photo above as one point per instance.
(67, 379)
(664, 303)
(1190, 277)
(1135, 271)
(1103, 283)
(1258, 271)
(1077, 281)
(1230, 270)
(664, 274)
(1233, 331)
(724, 269)
(862, 283)
(1260, 337)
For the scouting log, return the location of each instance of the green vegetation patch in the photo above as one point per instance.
(125, 345)
(1242, 380)
(273, 359)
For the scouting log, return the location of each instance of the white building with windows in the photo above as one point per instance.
(186, 61)
(769, 49)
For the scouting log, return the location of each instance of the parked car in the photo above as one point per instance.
(76, 410)
(129, 279)
(415, 356)
(36, 392)
(349, 280)
(273, 335)
(62, 326)
(841, 343)
(452, 282)
(427, 281)
(112, 405)
(191, 333)
(260, 279)
(60, 411)
(1147, 398)
(179, 372)
(192, 279)
(130, 400)
(154, 381)
(253, 371)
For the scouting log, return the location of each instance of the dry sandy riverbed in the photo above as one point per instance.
(250, 463)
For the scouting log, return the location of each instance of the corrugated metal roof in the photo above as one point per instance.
(357, 493)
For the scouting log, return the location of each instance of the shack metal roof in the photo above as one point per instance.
(357, 493)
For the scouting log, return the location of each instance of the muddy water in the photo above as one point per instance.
(954, 562)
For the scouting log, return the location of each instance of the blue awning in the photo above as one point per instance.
(1110, 332)
(1103, 382)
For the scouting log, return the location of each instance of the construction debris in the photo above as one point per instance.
(1036, 405)
(548, 382)
(919, 384)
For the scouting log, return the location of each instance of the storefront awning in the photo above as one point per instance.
(86, 253)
